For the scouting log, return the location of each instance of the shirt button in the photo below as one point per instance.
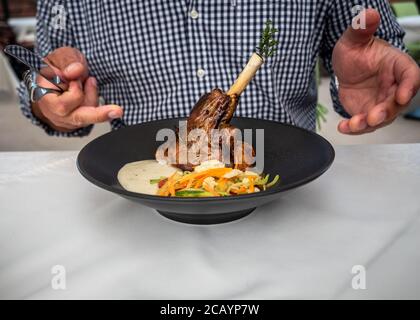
(194, 14)
(201, 73)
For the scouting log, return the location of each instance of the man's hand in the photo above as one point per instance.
(78, 106)
(376, 80)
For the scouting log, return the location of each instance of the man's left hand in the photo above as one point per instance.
(376, 80)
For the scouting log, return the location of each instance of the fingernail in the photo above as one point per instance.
(114, 114)
(362, 124)
(381, 117)
(93, 82)
(72, 67)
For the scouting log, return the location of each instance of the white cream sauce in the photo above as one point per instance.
(136, 176)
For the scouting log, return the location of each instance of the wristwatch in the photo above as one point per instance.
(35, 91)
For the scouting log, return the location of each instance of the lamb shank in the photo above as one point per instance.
(212, 114)
(222, 141)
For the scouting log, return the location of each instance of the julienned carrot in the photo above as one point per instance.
(168, 186)
(242, 189)
(199, 182)
(216, 172)
(251, 184)
(181, 184)
(189, 184)
(172, 190)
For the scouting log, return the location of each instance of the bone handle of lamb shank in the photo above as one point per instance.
(244, 78)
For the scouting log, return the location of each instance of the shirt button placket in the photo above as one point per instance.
(194, 14)
(200, 72)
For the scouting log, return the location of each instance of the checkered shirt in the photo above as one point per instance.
(155, 58)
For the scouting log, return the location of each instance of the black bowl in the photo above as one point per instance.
(297, 155)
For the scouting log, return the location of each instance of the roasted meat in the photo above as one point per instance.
(214, 110)
(213, 113)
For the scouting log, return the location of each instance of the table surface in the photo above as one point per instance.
(409, 21)
(411, 26)
(364, 211)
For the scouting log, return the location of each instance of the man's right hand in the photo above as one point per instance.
(78, 106)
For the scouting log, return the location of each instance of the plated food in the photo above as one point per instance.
(214, 166)
(210, 179)
(107, 162)
(299, 159)
(213, 181)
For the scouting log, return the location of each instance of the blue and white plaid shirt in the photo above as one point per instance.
(155, 58)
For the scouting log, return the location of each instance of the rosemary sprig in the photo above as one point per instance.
(320, 113)
(268, 45)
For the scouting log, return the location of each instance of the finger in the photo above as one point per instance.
(357, 123)
(52, 119)
(384, 112)
(62, 105)
(91, 92)
(76, 71)
(377, 115)
(344, 128)
(70, 62)
(407, 74)
(74, 96)
(364, 34)
(84, 116)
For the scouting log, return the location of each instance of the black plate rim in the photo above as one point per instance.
(207, 199)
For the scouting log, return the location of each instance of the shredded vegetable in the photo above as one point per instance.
(213, 182)
(155, 181)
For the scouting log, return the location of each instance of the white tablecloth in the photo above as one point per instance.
(364, 211)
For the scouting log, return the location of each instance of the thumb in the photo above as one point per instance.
(363, 27)
(68, 63)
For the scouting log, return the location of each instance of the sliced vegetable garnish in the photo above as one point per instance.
(213, 182)
(193, 193)
(272, 183)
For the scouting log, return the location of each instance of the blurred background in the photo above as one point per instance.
(17, 26)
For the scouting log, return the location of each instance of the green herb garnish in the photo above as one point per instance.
(263, 181)
(272, 183)
(268, 45)
(320, 113)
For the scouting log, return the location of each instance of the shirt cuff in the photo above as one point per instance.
(26, 109)
(338, 107)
